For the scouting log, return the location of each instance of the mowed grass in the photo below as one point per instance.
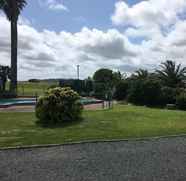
(18, 129)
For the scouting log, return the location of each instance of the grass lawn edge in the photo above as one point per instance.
(92, 141)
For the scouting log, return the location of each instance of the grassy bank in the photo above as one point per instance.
(18, 129)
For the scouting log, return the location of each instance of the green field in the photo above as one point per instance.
(25, 88)
(18, 129)
(32, 89)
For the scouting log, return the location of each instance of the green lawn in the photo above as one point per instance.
(17, 129)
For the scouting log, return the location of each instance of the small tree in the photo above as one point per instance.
(105, 81)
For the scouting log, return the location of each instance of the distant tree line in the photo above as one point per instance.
(162, 87)
(83, 87)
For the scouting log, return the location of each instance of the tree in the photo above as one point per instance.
(88, 85)
(4, 75)
(104, 82)
(145, 92)
(103, 76)
(172, 75)
(12, 10)
(121, 90)
(141, 74)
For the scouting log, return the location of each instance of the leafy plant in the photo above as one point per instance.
(172, 75)
(181, 101)
(121, 90)
(59, 105)
(145, 92)
(168, 95)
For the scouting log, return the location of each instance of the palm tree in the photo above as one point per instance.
(141, 74)
(12, 10)
(172, 75)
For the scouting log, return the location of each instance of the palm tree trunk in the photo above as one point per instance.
(13, 84)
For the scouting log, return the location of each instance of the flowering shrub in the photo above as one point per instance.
(59, 105)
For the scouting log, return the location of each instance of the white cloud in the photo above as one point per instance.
(158, 25)
(49, 54)
(148, 13)
(54, 5)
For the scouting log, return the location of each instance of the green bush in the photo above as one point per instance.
(168, 95)
(58, 105)
(121, 90)
(100, 90)
(181, 101)
(145, 92)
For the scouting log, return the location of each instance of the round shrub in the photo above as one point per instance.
(58, 105)
(181, 101)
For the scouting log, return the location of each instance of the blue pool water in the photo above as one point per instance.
(32, 101)
(17, 101)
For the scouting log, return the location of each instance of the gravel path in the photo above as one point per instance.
(156, 160)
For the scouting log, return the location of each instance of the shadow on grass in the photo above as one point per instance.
(59, 125)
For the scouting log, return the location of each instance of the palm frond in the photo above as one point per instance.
(12, 8)
(171, 74)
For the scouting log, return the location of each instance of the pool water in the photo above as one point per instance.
(17, 101)
(32, 101)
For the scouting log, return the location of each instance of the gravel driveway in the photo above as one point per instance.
(162, 160)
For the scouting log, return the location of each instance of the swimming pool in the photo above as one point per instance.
(32, 101)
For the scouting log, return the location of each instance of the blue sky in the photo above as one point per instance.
(89, 13)
(57, 35)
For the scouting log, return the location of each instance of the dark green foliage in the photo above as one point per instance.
(100, 90)
(4, 75)
(11, 8)
(34, 80)
(172, 75)
(105, 81)
(121, 90)
(103, 76)
(83, 87)
(59, 105)
(145, 92)
(168, 95)
(136, 93)
(181, 101)
(141, 74)
(88, 86)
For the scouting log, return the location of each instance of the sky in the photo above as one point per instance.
(57, 35)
